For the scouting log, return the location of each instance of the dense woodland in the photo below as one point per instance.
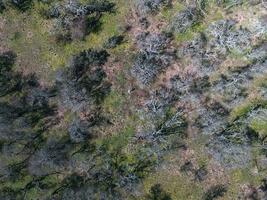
(133, 99)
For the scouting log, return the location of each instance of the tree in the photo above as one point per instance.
(75, 19)
(25, 115)
(83, 82)
(185, 19)
(153, 57)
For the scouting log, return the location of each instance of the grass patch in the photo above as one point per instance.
(246, 107)
(113, 103)
(260, 82)
(167, 13)
(237, 178)
(260, 127)
(119, 140)
(189, 33)
(177, 186)
(29, 35)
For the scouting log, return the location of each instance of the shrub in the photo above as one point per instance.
(157, 193)
(229, 3)
(226, 37)
(2, 6)
(76, 19)
(7, 60)
(9, 81)
(52, 12)
(150, 6)
(83, 83)
(146, 68)
(154, 56)
(113, 41)
(201, 173)
(22, 5)
(214, 192)
(185, 19)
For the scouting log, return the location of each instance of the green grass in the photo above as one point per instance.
(237, 178)
(260, 82)
(120, 140)
(260, 127)
(190, 32)
(113, 102)
(246, 107)
(177, 186)
(167, 13)
(18, 184)
(29, 35)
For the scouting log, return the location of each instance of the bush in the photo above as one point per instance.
(76, 19)
(150, 6)
(90, 57)
(49, 158)
(229, 3)
(9, 80)
(113, 42)
(2, 6)
(263, 186)
(185, 19)
(83, 83)
(226, 37)
(214, 192)
(146, 68)
(93, 24)
(157, 193)
(52, 12)
(22, 5)
(7, 60)
(78, 131)
(154, 55)
(201, 173)
(82, 130)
